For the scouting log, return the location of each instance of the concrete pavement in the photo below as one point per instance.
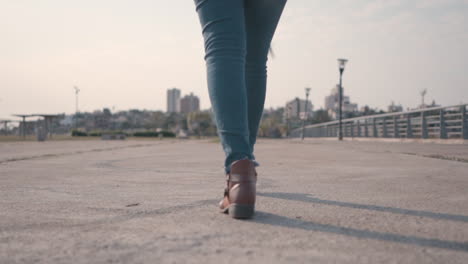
(155, 202)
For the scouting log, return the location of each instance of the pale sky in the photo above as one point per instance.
(126, 53)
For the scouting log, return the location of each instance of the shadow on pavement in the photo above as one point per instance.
(306, 198)
(277, 220)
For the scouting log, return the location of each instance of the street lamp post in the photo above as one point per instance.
(288, 116)
(77, 91)
(341, 67)
(23, 130)
(306, 112)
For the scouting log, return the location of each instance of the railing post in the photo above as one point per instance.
(442, 128)
(384, 127)
(366, 129)
(351, 128)
(464, 123)
(409, 129)
(358, 128)
(423, 125)
(396, 128)
(374, 128)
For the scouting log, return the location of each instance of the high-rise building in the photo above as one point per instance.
(189, 103)
(332, 103)
(296, 108)
(173, 100)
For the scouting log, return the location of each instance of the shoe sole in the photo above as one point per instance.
(241, 211)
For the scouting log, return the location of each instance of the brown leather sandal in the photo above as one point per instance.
(239, 195)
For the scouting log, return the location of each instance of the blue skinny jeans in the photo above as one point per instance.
(237, 36)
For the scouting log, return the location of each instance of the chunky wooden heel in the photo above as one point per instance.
(241, 211)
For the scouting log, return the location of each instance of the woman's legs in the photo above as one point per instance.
(237, 36)
(223, 27)
(261, 19)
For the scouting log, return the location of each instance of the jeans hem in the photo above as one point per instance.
(256, 164)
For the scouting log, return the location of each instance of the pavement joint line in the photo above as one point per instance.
(72, 153)
(437, 156)
(110, 164)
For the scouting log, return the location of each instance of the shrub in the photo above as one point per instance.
(110, 132)
(77, 133)
(167, 134)
(146, 134)
(94, 134)
(153, 134)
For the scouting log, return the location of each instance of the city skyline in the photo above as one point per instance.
(178, 104)
(125, 56)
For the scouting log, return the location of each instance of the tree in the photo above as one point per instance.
(272, 123)
(174, 121)
(320, 116)
(200, 123)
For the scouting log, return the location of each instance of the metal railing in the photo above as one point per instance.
(435, 122)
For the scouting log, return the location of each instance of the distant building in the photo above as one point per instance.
(67, 120)
(173, 100)
(189, 103)
(332, 103)
(394, 108)
(296, 108)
